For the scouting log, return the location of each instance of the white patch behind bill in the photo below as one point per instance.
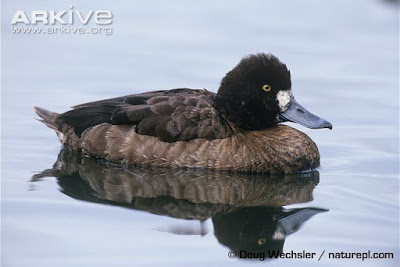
(284, 98)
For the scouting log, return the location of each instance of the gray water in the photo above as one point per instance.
(343, 57)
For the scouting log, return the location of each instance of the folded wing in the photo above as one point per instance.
(172, 115)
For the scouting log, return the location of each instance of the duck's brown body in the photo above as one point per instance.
(280, 149)
(235, 129)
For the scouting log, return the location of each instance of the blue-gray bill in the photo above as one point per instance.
(298, 114)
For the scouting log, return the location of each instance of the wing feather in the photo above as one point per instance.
(172, 115)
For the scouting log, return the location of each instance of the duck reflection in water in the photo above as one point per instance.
(246, 209)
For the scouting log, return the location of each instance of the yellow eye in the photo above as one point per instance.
(266, 88)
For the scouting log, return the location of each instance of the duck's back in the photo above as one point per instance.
(171, 115)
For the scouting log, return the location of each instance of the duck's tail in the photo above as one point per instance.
(49, 118)
(64, 131)
(102, 140)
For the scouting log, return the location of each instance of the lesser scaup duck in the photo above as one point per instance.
(235, 129)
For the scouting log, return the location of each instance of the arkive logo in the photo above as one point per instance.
(63, 17)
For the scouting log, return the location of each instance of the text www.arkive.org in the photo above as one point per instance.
(63, 30)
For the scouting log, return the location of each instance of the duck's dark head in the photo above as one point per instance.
(257, 94)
